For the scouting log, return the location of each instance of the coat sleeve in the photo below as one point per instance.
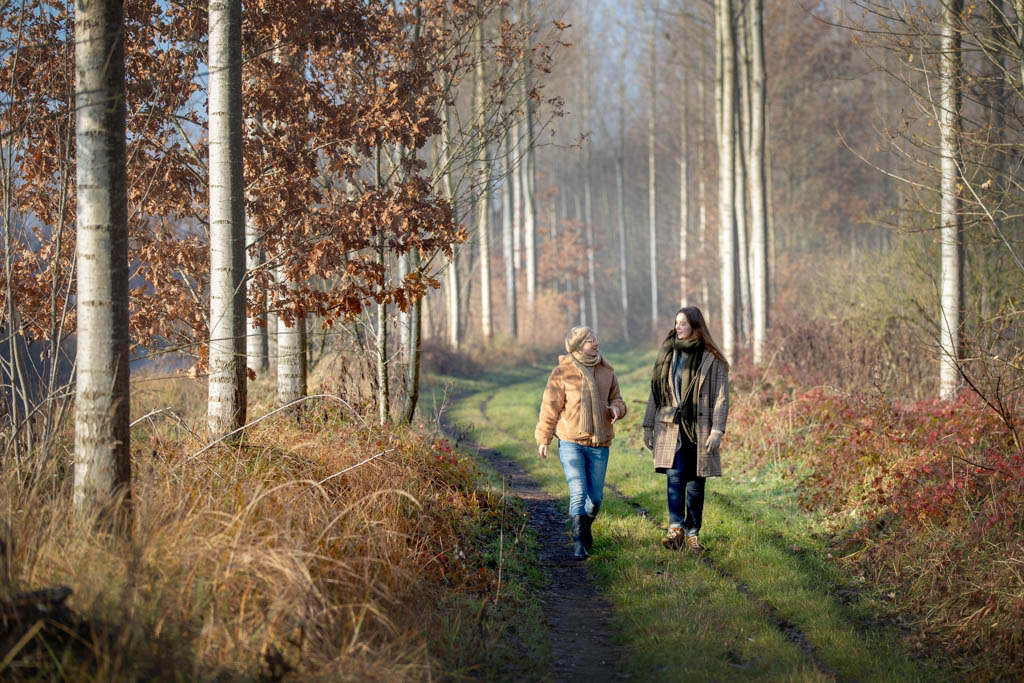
(615, 398)
(550, 408)
(720, 412)
(650, 412)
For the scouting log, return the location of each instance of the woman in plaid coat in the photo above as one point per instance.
(685, 421)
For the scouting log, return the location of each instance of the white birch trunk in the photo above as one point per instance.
(758, 184)
(291, 355)
(951, 217)
(453, 269)
(702, 210)
(484, 209)
(507, 235)
(726, 175)
(517, 197)
(620, 183)
(652, 183)
(227, 380)
(742, 148)
(528, 184)
(102, 469)
(684, 191)
(588, 213)
(257, 349)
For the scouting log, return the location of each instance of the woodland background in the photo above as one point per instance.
(318, 199)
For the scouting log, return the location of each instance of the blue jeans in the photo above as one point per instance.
(584, 468)
(685, 491)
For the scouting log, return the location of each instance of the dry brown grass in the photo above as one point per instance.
(254, 560)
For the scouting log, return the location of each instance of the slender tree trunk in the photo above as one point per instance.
(102, 471)
(528, 183)
(684, 184)
(453, 269)
(227, 382)
(758, 184)
(588, 212)
(620, 186)
(508, 235)
(484, 208)
(742, 122)
(702, 211)
(652, 183)
(257, 349)
(413, 351)
(951, 217)
(291, 353)
(517, 197)
(726, 175)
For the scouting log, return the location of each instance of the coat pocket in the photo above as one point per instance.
(666, 414)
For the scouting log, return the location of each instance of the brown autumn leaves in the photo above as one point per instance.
(343, 104)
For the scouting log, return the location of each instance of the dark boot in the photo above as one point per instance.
(588, 520)
(578, 551)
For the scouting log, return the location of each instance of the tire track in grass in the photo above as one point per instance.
(578, 616)
(789, 631)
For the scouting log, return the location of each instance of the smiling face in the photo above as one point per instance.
(589, 346)
(682, 327)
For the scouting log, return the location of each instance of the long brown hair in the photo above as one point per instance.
(700, 328)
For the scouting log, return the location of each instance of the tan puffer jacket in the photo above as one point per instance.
(560, 407)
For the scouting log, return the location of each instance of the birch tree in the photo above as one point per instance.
(726, 96)
(508, 244)
(950, 217)
(227, 378)
(684, 180)
(102, 472)
(758, 184)
(484, 206)
(620, 188)
(652, 180)
(588, 213)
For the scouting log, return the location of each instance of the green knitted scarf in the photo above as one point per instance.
(661, 377)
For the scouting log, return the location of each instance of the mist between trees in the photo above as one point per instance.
(836, 185)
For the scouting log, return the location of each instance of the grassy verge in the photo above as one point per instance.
(320, 547)
(766, 602)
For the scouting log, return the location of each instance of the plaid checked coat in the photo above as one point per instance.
(712, 413)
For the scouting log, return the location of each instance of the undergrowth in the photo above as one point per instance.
(320, 547)
(924, 499)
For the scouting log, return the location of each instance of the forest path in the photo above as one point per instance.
(578, 616)
(763, 602)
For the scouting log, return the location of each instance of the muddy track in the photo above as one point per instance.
(555, 542)
(579, 618)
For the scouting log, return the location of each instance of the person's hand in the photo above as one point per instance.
(543, 450)
(713, 442)
(615, 413)
(649, 439)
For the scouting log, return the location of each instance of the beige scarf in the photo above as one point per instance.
(592, 420)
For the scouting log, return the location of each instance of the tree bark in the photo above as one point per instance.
(507, 235)
(726, 175)
(758, 185)
(484, 208)
(588, 213)
(291, 355)
(652, 183)
(684, 182)
(413, 351)
(257, 349)
(102, 470)
(620, 186)
(227, 379)
(951, 217)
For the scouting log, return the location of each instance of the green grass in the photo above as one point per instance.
(684, 618)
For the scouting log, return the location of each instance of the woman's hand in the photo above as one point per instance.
(615, 413)
(543, 450)
(649, 439)
(714, 442)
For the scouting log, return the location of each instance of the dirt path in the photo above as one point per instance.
(578, 616)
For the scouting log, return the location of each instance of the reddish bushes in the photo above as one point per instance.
(926, 497)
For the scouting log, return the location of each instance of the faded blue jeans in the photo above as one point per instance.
(584, 468)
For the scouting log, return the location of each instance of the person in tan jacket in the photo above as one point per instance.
(581, 403)
(685, 421)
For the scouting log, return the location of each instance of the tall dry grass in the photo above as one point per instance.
(318, 545)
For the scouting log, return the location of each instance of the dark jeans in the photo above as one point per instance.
(685, 490)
